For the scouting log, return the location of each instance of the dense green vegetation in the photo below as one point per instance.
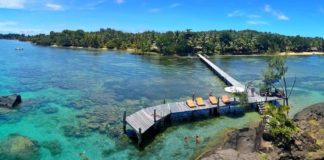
(179, 42)
(281, 127)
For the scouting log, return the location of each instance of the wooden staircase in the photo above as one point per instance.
(261, 107)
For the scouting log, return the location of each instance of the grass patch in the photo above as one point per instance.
(320, 142)
(313, 122)
(311, 154)
(263, 156)
(321, 131)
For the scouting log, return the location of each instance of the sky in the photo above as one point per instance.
(288, 17)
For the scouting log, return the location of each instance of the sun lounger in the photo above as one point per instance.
(200, 101)
(190, 103)
(226, 99)
(213, 100)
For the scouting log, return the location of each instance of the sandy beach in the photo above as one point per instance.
(301, 53)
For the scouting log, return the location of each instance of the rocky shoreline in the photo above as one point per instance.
(254, 143)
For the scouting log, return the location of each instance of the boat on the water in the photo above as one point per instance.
(19, 48)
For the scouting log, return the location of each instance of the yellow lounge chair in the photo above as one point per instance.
(213, 100)
(191, 103)
(225, 99)
(200, 101)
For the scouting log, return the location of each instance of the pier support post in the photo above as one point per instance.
(154, 115)
(218, 107)
(124, 122)
(192, 116)
(139, 136)
(154, 118)
(170, 117)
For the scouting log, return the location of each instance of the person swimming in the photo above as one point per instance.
(83, 156)
(186, 140)
(197, 139)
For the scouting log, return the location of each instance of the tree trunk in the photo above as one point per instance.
(285, 87)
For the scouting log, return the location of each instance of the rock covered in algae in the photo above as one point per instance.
(102, 119)
(75, 131)
(53, 146)
(18, 147)
(50, 110)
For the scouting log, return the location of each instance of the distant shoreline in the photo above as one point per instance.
(301, 53)
(133, 51)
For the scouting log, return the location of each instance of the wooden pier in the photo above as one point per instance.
(230, 81)
(147, 118)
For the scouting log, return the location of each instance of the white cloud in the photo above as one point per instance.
(267, 8)
(92, 5)
(236, 13)
(14, 27)
(119, 1)
(253, 16)
(7, 24)
(279, 15)
(29, 31)
(174, 5)
(12, 4)
(154, 10)
(239, 13)
(55, 7)
(254, 22)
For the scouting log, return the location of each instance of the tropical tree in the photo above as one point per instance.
(281, 127)
(275, 73)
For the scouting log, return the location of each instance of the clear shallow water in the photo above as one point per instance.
(76, 82)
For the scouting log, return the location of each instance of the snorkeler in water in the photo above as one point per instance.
(186, 140)
(197, 139)
(83, 156)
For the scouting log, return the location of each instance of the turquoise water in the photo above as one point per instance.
(87, 87)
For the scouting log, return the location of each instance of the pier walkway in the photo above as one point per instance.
(146, 118)
(230, 81)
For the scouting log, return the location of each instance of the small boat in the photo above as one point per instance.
(19, 48)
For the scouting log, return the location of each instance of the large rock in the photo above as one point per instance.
(243, 140)
(309, 142)
(17, 147)
(231, 154)
(10, 101)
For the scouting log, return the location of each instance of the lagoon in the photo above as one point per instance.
(81, 83)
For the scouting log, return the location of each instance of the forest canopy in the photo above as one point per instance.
(179, 42)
